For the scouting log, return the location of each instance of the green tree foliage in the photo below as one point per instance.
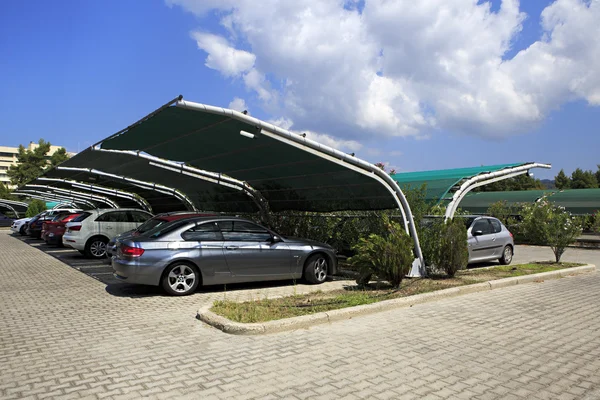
(453, 254)
(520, 182)
(562, 181)
(598, 175)
(388, 256)
(581, 179)
(32, 164)
(547, 224)
(35, 207)
(5, 192)
(58, 157)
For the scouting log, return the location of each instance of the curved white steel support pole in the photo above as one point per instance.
(189, 204)
(102, 190)
(45, 196)
(208, 176)
(75, 194)
(484, 179)
(10, 208)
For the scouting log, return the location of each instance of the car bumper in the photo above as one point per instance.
(52, 238)
(136, 272)
(76, 243)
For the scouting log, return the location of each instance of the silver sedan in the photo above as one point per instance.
(183, 254)
(488, 239)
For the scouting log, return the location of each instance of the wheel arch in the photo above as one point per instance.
(332, 261)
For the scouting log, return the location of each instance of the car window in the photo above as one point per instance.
(496, 225)
(81, 217)
(163, 229)
(243, 231)
(204, 232)
(482, 225)
(137, 216)
(113, 216)
(151, 224)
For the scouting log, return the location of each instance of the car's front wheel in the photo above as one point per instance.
(96, 247)
(22, 230)
(180, 279)
(507, 255)
(316, 269)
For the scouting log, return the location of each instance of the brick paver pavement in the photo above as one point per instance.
(66, 335)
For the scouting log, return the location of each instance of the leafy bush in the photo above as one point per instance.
(453, 253)
(34, 208)
(388, 256)
(510, 216)
(595, 227)
(429, 238)
(550, 225)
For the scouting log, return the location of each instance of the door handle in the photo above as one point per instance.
(231, 247)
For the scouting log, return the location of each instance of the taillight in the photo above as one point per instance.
(511, 235)
(75, 228)
(131, 251)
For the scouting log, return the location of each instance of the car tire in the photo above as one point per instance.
(180, 279)
(22, 230)
(507, 255)
(96, 247)
(82, 252)
(316, 269)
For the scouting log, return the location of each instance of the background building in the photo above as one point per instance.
(8, 157)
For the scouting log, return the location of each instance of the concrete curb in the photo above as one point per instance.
(305, 321)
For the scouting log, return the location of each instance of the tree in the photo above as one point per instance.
(59, 156)
(550, 225)
(31, 164)
(5, 192)
(562, 181)
(598, 174)
(583, 179)
(35, 207)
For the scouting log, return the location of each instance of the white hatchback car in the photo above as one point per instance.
(90, 232)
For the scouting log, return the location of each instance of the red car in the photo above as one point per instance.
(53, 231)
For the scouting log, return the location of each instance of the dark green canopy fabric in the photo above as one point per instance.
(478, 203)
(575, 201)
(440, 182)
(578, 201)
(206, 196)
(288, 177)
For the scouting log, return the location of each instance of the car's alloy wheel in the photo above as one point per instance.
(316, 269)
(180, 280)
(96, 248)
(507, 256)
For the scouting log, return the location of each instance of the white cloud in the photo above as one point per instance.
(222, 57)
(405, 68)
(238, 104)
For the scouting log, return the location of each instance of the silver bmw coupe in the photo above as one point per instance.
(183, 254)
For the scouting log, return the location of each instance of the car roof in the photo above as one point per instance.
(175, 217)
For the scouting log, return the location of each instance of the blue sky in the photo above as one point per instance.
(74, 72)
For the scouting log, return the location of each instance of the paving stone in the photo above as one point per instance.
(67, 335)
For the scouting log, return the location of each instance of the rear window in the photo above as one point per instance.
(163, 229)
(81, 217)
(150, 224)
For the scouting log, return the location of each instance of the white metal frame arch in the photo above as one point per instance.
(484, 179)
(189, 204)
(102, 190)
(45, 196)
(75, 194)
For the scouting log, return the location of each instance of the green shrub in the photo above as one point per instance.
(595, 227)
(429, 238)
(34, 208)
(388, 256)
(550, 225)
(453, 253)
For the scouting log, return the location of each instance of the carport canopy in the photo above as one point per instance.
(14, 207)
(440, 183)
(176, 144)
(479, 202)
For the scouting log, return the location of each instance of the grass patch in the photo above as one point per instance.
(262, 310)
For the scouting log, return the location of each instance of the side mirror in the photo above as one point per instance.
(275, 239)
(477, 233)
